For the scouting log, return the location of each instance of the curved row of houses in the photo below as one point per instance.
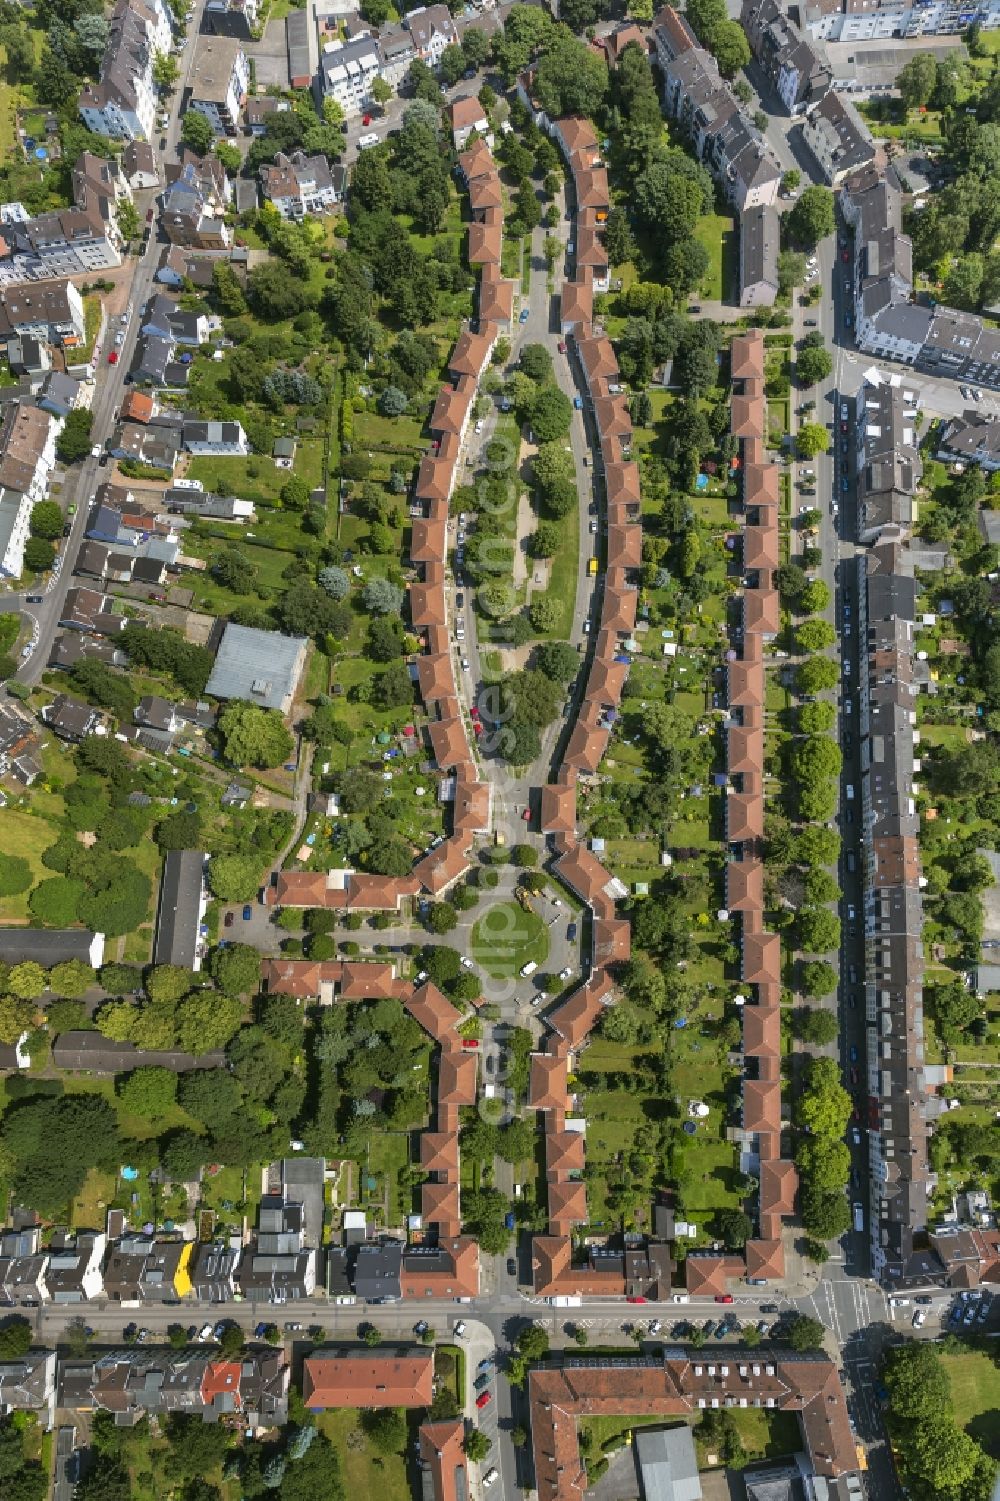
(450, 737)
(577, 867)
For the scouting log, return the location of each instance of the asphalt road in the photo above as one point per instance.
(82, 480)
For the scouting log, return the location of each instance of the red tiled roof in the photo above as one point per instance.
(745, 747)
(578, 1014)
(434, 1012)
(576, 133)
(367, 893)
(619, 609)
(745, 885)
(621, 483)
(471, 807)
(367, 979)
(439, 1206)
(428, 540)
(624, 545)
(558, 809)
(765, 1258)
(451, 409)
(137, 407)
(749, 417)
(762, 1106)
(778, 1183)
(576, 303)
(584, 874)
(434, 477)
(373, 1379)
(295, 977)
(307, 888)
(484, 193)
(449, 742)
(612, 940)
(427, 605)
(477, 162)
(761, 548)
(567, 1206)
(761, 485)
(761, 958)
(747, 356)
(761, 612)
(761, 1031)
(548, 1089)
(745, 684)
(496, 297)
(459, 1280)
(587, 743)
(564, 1153)
(442, 1452)
(485, 246)
(435, 677)
(439, 1151)
(468, 111)
(472, 351)
(457, 1076)
(707, 1272)
(744, 813)
(444, 865)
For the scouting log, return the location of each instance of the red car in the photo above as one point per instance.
(477, 728)
(149, 216)
(526, 815)
(561, 347)
(470, 1042)
(484, 1399)
(113, 357)
(845, 256)
(367, 120)
(635, 1300)
(474, 712)
(723, 1297)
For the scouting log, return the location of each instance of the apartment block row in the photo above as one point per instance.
(641, 1270)
(727, 141)
(67, 242)
(352, 54)
(681, 1386)
(249, 1392)
(28, 435)
(900, 1178)
(882, 20)
(937, 340)
(122, 104)
(757, 623)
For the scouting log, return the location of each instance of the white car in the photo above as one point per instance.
(593, 526)
(96, 451)
(899, 1302)
(479, 426)
(467, 964)
(465, 663)
(205, 1332)
(459, 1329)
(491, 1475)
(536, 1000)
(564, 974)
(919, 1318)
(655, 1326)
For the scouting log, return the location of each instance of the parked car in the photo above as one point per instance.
(484, 1399)
(229, 919)
(483, 1381)
(247, 912)
(723, 1297)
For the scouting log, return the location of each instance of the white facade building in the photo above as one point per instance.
(347, 72)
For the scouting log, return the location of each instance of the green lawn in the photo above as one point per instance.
(506, 938)
(715, 231)
(257, 477)
(975, 1394)
(25, 835)
(365, 1472)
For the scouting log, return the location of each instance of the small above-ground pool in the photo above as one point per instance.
(701, 483)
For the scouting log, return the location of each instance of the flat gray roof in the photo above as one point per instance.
(260, 666)
(668, 1464)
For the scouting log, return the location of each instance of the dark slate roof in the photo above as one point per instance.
(178, 914)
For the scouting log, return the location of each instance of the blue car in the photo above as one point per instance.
(524, 315)
(845, 483)
(578, 403)
(247, 912)
(854, 1054)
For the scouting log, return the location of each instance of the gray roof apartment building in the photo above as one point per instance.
(900, 1177)
(760, 239)
(888, 460)
(837, 137)
(181, 907)
(970, 439)
(797, 68)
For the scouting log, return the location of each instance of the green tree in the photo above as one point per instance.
(17, 1015)
(815, 597)
(46, 520)
(206, 1021)
(812, 438)
(813, 365)
(476, 1445)
(816, 675)
(236, 969)
(814, 1025)
(811, 219)
(234, 878)
(15, 1338)
(39, 555)
(804, 1334)
(253, 736)
(27, 980)
(197, 132)
(550, 414)
(386, 1429)
(734, 1227)
(147, 1092)
(818, 929)
(168, 982)
(916, 80)
(817, 978)
(73, 442)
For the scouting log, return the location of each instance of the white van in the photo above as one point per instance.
(850, 792)
(528, 969)
(370, 140)
(859, 1217)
